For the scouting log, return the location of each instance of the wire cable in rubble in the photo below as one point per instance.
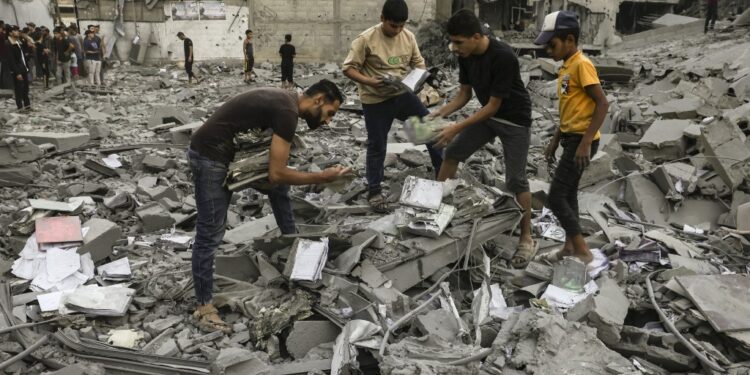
(24, 353)
(27, 325)
(668, 323)
(403, 320)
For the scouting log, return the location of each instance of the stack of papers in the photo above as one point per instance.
(58, 231)
(424, 213)
(100, 301)
(412, 82)
(118, 270)
(423, 130)
(53, 270)
(309, 259)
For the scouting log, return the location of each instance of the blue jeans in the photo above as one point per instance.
(378, 120)
(212, 200)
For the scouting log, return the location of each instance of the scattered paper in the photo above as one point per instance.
(50, 301)
(564, 299)
(44, 204)
(309, 260)
(117, 270)
(421, 193)
(61, 264)
(112, 161)
(102, 301)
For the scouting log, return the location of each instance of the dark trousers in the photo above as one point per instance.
(563, 192)
(712, 11)
(21, 90)
(212, 200)
(189, 69)
(378, 120)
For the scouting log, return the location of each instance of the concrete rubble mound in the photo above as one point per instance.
(98, 213)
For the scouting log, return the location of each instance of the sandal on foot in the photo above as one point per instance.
(378, 204)
(207, 319)
(524, 254)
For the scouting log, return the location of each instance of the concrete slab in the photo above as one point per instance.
(181, 134)
(698, 213)
(686, 108)
(101, 236)
(164, 114)
(721, 299)
(646, 199)
(62, 141)
(439, 323)
(307, 334)
(743, 218)
(250, 230)
(599, 169)
(606, 311)
(724, 145)
(154, 217)
(671, 19)
(17, 151)
(664, 141)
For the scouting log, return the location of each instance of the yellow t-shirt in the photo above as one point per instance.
(576, 106)
(374, 55)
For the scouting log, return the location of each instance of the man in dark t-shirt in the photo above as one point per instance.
(212, 149)
(188, 46)
(491, 69)
(287, 53)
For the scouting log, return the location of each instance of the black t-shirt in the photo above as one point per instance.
(497, 73)
(287, 54)
(258, 109)
(187, 43)
(61, 49)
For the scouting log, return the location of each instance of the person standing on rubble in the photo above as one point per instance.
(189, 58)
(44, 54)
(18, 67)
(287, 53)
(582, 107)
(490, 68)
(63, 51)
(93, 53)
(385, 49)
(211, 150)
(247, 51)
(712, 11)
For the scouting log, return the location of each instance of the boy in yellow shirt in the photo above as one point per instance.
(583, 106)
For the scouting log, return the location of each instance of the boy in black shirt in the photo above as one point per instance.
(491, 69)
(188, 45)
(287, 53)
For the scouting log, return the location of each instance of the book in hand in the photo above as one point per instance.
(414, 81)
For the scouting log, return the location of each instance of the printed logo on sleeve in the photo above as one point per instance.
(565, 84)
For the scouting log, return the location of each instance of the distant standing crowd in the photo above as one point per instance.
(36, 53)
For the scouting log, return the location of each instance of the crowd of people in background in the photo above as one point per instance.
(36, 53)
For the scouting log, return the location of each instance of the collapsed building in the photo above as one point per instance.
(426, 289)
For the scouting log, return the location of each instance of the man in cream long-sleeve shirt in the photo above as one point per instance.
(385, 49)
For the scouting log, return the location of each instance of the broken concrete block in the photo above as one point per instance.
(18, 176)
(99, 131)
(700, 213)
(439, 323)
(62, 141)
(670, 19)
(158, 163)
(165, 114)
(646, 200)
(664, 141)
(606, 311)
(158, 326)
(743, 217)
(240, 361)
(724, 145)
(181, 134)
(307, 334)
(101, 236)
(154, 217)
(600, 169)
(17, 151)
(150, 186)
(686, 108)
(249, 230)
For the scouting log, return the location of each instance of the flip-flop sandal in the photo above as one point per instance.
(208, 320)
(378, 204)
(524, 254)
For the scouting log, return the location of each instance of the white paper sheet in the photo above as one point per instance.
(310, 259)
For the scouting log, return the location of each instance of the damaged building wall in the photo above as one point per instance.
(321, 29)
(20, 12)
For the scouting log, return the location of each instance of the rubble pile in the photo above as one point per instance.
(98, 217)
